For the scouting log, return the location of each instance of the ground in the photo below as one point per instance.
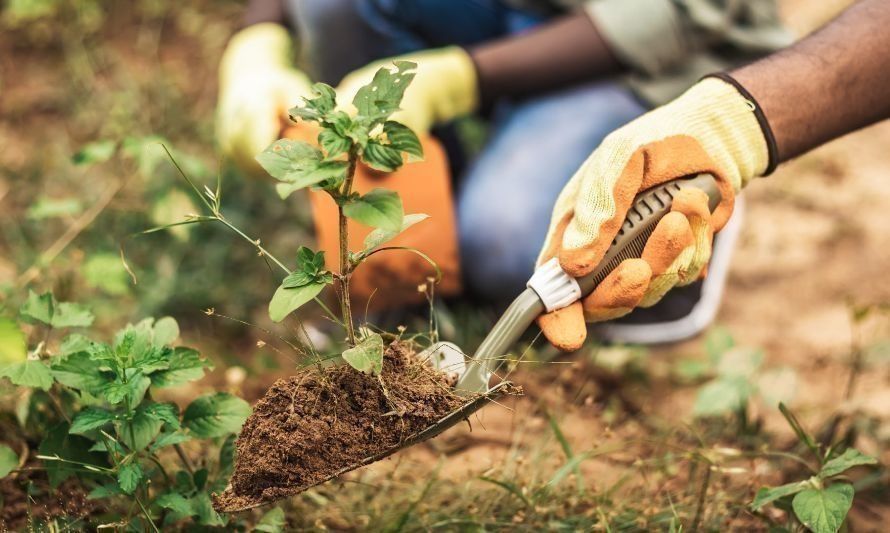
(815, 247)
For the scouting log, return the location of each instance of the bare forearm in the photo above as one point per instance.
(833, 82)
(564, 51)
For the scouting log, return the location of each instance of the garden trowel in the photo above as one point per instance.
(549, 289)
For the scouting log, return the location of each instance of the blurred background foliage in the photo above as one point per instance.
(89, 92)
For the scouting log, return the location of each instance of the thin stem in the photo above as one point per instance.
(256, 243)
(345, 267)
(147, 516)
(184, 458)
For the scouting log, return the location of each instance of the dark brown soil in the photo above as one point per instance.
(21, 511)
(312, 425)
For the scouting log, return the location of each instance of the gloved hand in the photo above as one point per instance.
(712, 129)
(444, 87)
(257, 85)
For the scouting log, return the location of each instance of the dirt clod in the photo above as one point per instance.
(312, 425)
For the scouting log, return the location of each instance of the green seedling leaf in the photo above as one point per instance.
(381, 98)
(184, 365)
(165, 331)
(9, 460)
(285, 301)
(739, 361)
(74, 343)
(13, 345)
(767, 495)
(333, 143)
(314, 108)
(722, 396)
(823, 510)
(79, 371)
(44, 308)
(310, 269)
(137, 432)
(798, 429)
(204, 511)
(298, 165)
(717, 342)
(367, 355)
(178, 505)
(165, 412)
(403, 139)
(379, 208)
(94, 152)
(271, 522)
(847, 460)
(90, 419)
(215, 415)
(129, 476)
(168, 439)
(30, 373)
(381, 236)
(381, 156)
(131, 391)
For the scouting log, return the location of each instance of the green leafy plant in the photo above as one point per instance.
(107, 428)
(735, 377)
(368, 136)
(820, 502)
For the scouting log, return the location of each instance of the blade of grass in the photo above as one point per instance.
(567, 450)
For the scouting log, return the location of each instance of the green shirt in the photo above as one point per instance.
(671, 44)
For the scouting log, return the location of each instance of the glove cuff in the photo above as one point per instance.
(262, 46)
(765, 128)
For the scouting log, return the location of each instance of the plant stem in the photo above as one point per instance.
(185, 459)
(345, 267)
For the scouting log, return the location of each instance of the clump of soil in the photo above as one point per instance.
(309, 427)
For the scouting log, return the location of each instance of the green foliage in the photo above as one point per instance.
(30, 373)
(379, 209)
(9, 460)
(286, 301)
(736, 378)
(823, 510)
(45, 309)
(310, 269)
(821, 502)
(116, 430)
(215, 415)
(367, 355)
(271, 522)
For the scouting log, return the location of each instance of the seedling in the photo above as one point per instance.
(820, 502)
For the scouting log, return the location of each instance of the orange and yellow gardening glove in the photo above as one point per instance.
(712, 128)
(444, 87)
(257, 85)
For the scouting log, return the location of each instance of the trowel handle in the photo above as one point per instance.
(642, 217)
(559, 290)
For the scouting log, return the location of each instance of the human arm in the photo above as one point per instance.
(831, 83)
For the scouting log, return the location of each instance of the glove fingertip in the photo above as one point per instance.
(565, 328)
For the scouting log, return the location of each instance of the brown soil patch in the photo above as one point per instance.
(21, 510)
(313, 425)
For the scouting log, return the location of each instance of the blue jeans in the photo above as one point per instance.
(505, 199)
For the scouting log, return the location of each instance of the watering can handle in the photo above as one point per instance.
(550, 288)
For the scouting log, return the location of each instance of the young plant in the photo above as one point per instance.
(90, 405)
(736, 377)
(820, 502)
(368, 136)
